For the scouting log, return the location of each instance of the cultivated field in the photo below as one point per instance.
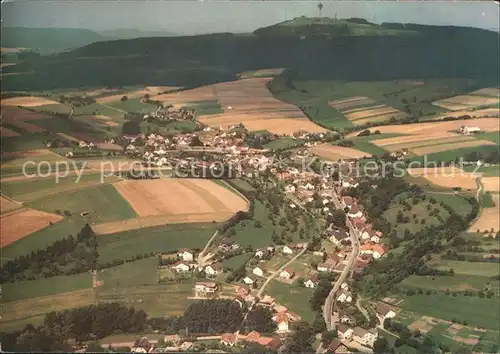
(27, 101)
(334, 153)
(34, 309)
(7, 205)
(448, 177)
(491, 184)
(165, 201)
(468, 101)
(6, 132)
(245, 101)
(361, 110)
(485, 124)
(150, 90)
(261, 73)
(199, 94)
(491, 91)
(480, 113)
(12, 114)
(489, 217)
(20, 224)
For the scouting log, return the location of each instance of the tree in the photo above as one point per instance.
(260, 319)
(131, 128)
(196, 141)
(338, 218)
(319, 324)
(124, 98)
(381, 345)
(301, 340)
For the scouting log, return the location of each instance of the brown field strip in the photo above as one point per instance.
(491, 183)
(371, 112)
(363, 108)
(30, 128)
(471, 100)
(158, 220)
(446, 147)
(412, 138)
(15, 226)
(465, 101)
(27, 101)
(425, 143)
(179, 196)
(490, 91)
(334, 153)
(448, 177)
(246, 101)
(204, 93)
(451, 106)
(286, 126)
(485, 124)
(350, 102)
(489, 218)
(487, 112)
(13, 114)
(6, 132)
(379, 118)
(37, 306)
(7, 205)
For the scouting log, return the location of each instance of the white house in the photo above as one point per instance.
(287, 274)
(213, 269)
(344, 297)
(258, 271)
(186, 255)
(470, 130)
(311, 282)
(344, 286)
(228, 339)
(364, 337)
(181, 267)
(338, 235)
(290, 188)
(283, 321)
(385, 311)
(259, 253)
(327, 266)
(344, 332)
(375, 238)
(248, 280)
(287, 250)
(354, 212)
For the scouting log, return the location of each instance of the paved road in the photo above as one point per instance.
(328, 307)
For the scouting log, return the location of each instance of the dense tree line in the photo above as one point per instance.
(259, 319)
(85, 323)
(213, 316)
(63, 257)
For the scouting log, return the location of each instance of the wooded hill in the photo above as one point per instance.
(417, 51)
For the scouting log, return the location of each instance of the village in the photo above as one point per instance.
(295, 264)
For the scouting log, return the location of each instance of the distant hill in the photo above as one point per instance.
(130, 33)
(304, 26)
(365, 52)
(54, 39)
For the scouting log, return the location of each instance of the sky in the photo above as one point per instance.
(208, 16)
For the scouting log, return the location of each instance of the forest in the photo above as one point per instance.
(439, 52)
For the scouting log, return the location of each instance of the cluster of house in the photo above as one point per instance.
(231, 339)
(187, 264)
(169, 113)
(364, 337)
